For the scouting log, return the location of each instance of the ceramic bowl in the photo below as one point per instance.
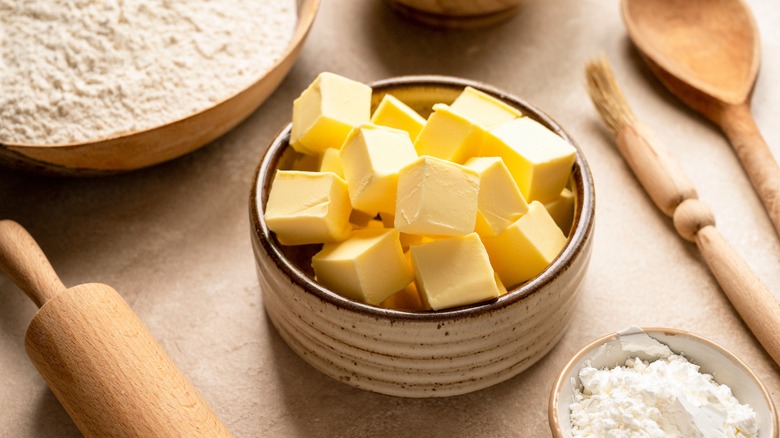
(425, 354)
(455, 14)
(712, 359)
(133, 150)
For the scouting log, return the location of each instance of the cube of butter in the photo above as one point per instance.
(368, 267)
(500, 201)
(437, 198)
(540, 161)
(326, 111)
(526, 247)
(308, 207)
(562, 210)
(407, 299)
(371, 157)
(449, 135)
(484, 109)
(453, 272)
(396, 114)
(331, 162)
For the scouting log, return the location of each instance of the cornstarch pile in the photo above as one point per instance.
(666, 398)
(77, 70)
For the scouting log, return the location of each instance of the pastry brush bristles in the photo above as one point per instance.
(606, 95)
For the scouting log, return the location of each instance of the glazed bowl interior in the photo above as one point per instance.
(420, 93)
(712, 359)
(171, 138)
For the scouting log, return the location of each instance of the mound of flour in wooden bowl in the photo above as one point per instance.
(76, 70)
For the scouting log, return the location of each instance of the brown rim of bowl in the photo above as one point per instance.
(552, 407)
(581, 229)
(299, 33)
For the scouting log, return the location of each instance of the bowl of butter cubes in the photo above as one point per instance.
(420, 236)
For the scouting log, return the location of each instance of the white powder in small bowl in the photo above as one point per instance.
(667, 397)
(81, 70)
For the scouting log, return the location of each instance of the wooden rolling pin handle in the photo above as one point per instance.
(738, 124)
(24, 262)
(658, 172)
(750, 297)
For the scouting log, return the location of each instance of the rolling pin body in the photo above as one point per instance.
(98, 358)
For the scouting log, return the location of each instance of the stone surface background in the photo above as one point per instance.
(174, 239)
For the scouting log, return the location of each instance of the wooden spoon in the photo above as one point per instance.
(706, 52)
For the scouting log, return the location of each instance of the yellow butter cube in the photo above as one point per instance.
(453, 272)
(373, 223)
(484, 109)
(562, 210)
(526, 247)
(407, 240)
(331, 162)
(308, 207)
(540, 161)
(396, 114)
(449, 135)
(501, 288)
(368, 267)
(406, 299)
(437, 198)
(388, 219)
(371, 157)
(326, 111)
(500, 201)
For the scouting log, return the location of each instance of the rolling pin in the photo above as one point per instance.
(98, 358)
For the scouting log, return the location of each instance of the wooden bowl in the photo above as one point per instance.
(138, 149)
(712, 358)
(456, 14)
(426, 354)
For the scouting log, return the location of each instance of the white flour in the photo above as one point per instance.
(77, 70)
(665, 398)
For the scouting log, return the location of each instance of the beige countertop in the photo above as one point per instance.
(174, 239)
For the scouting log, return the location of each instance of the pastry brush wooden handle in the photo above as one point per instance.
(673, 193)
(24, 262)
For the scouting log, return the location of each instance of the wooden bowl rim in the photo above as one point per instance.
(576, 242)
(302, 25)
(557, 386)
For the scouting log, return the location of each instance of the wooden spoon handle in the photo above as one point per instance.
(749, 296)
(24, 262)
(760, 165)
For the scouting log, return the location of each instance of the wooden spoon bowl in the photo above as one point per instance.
(133, 150)
(707, 53)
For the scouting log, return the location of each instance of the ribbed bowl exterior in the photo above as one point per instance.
(431, 354)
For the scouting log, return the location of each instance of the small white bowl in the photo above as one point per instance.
(712, 359)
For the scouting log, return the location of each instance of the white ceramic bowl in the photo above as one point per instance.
(712, 359)
(425, 354)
